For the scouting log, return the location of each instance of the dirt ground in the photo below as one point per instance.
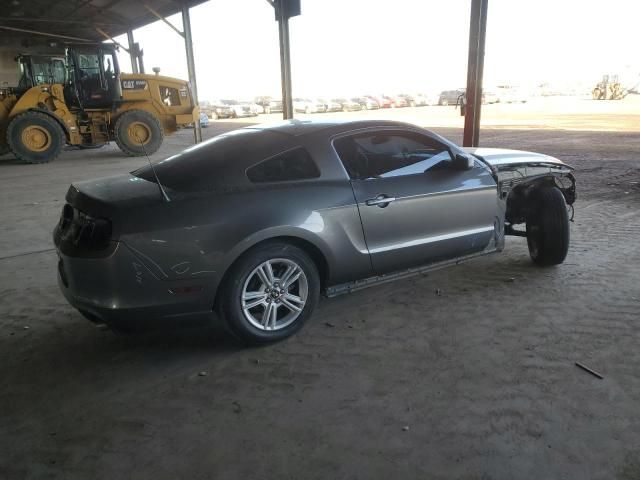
(465, 373)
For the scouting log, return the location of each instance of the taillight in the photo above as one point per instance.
(93, 232)
(83, 231)
(67, 217)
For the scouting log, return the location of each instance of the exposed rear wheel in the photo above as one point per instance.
(548, 227)
(270, 293)
(35, 137)
(138, 132)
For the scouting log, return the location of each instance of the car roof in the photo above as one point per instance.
(299, 128)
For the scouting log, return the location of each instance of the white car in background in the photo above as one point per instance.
(331, 106)
(306, 105)
(235, 109)
(511, 94)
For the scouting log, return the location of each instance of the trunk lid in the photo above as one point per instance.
(108, 197)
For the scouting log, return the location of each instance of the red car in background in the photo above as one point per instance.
(399, 101)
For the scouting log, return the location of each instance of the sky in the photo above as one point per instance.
(354, 47)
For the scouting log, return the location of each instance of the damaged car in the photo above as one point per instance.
(254, 225)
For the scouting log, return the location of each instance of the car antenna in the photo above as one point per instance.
(163, 194)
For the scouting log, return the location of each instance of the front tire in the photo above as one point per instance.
(138, 133)
(35, 137)
(548, 227)
(269, 293)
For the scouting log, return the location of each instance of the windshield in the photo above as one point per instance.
(42, 70)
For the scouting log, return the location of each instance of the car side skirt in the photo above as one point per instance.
(356, 285)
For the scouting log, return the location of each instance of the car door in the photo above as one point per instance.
(417, 206)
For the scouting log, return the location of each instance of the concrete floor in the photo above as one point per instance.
(476, 382)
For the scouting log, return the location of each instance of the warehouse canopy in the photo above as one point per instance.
(83, 20)
(97, 20)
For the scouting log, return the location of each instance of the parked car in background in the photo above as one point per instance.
(275, 106)
(238, 109)
(221, 110)
(331, 106)
(366, 103)
(489, 96)
(430, 98)
(264, 102)
(254, 108)
(204, 120)
(451, 97)
(511, 94)
(207, 108)
(398, 101)
(410, 100)
(256, 223)
(320, 105)
(383, 102)
(347, 105)
(423, 100)
(306, 105)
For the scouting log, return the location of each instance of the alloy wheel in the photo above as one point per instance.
(274, 294)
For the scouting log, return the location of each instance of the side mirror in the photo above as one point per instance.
(463, 162)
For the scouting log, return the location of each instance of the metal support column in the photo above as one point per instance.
(191, 67)
(133, 54)
(285, 60)
(475, 72)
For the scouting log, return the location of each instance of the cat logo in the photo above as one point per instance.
(134, 85)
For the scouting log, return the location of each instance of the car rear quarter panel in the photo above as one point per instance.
(202, 237)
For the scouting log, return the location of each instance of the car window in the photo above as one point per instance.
(219, 162)
(295, 164)
(391, 154)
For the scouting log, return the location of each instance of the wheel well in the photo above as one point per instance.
(309, 248)
(518, 200)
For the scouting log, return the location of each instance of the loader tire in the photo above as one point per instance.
(138, 133)
(35, 137)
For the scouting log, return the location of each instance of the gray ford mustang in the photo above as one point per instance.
(255, 224)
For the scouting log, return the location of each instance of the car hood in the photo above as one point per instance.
(504, 158)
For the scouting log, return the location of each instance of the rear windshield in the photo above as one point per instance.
(217, 163)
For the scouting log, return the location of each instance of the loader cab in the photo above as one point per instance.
(96, 76)
(40, 70)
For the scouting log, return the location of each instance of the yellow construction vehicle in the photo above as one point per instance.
(82, 99)
(609, 88)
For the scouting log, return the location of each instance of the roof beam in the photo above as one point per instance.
(35, 32)
(153, 12)
(108, 37)
(49, 20)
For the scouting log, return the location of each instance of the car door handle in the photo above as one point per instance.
(380, 201)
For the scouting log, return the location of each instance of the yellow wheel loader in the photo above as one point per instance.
(82, 99)
(609, 88)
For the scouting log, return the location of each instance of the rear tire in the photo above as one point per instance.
(134, 127)
(35, 137)
(548, 227)
(244, 285)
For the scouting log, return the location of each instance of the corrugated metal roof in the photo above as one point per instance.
(81, 18)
